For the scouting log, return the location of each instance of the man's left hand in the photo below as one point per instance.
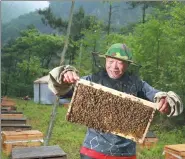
(164, 107)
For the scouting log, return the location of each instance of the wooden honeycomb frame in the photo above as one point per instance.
(117, 94)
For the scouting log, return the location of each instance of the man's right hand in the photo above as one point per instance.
(70, 77)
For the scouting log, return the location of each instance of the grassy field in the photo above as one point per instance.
(70, 136)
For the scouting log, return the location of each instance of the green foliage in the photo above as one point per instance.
(158, 45)
(27, 58)
(50, 19)
(160, 42)
(88, 44)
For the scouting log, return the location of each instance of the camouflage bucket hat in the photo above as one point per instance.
(120, 51)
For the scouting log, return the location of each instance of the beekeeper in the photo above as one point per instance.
(99, 145)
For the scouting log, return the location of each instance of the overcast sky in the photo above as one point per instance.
(38, 4)
(13, 9)
(34, 4)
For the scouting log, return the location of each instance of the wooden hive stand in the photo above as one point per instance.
(44, 152)
(29, 138)
(174, 151)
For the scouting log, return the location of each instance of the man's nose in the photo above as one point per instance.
(114, 65)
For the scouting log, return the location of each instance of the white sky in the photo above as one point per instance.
(39, 4)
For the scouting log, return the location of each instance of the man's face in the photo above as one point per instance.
(115, 68)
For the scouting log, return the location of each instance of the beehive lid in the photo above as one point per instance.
(178, 149)
(97, 97)
(150, 134)
(38, 152)
(21, 135)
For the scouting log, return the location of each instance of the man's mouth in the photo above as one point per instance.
(115, 72)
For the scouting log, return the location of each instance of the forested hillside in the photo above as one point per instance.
(123, 13)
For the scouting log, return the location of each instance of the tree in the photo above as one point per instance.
(110, 13)
(144, 6)
(26, 58)
(54, 110)
(49, 19)
(79, 22)
(68, 33)
(158, 44)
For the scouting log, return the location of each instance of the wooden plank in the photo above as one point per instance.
(170, 156)
(13, 127)
(8, 108)
(27, 138)
(13, 121)
(5, 111)
(23, 135)
(8, 104)
(7, 147)
(11, 112)
(39, 152)
(178, 149)
(11, 115)
(149, 104)
(20, 133)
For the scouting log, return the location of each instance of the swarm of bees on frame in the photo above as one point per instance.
(106, 112)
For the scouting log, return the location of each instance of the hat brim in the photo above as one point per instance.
(130, 61)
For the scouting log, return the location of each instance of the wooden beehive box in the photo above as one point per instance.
(44, 152)
(8, 103)
(102, 108)
(66, 105)
(12, 118)
(174, 151)
(13, 121)
(12, 139)
(149, 141)
(15, 127)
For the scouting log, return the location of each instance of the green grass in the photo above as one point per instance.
(70, 136)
